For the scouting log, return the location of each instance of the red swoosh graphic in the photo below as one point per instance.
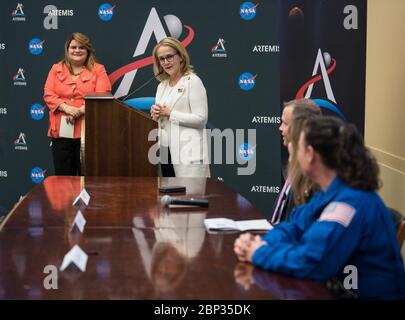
(301, 91)
(114, 76)
(112, 8)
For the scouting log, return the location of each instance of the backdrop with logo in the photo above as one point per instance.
(251, 56)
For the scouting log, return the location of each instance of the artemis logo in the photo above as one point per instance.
(2, 46)
(20, 143)
(265, 189)
(265, 119)
(52, 14)
(18, 13)
(153, 27)
(267, 48)
(3, 174)
(327, 64)
(19, 78)
(219, 49)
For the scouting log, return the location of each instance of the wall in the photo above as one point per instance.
(385, 96)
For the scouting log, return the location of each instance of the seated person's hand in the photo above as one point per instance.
(241, 246)
(246, 245)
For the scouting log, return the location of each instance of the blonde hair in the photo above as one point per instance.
(83, 40)
(302, 187)
(175, 44)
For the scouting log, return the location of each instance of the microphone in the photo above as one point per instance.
(168, 200)
(140, 87)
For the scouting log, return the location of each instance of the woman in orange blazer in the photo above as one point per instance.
(68, 82)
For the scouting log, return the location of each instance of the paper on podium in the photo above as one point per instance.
(66, 129)
(223, 224)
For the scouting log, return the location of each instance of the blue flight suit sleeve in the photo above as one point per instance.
(300, 219)
(319, 254)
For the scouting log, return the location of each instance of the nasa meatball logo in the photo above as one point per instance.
(247, 10)
(246, 151)
(35, 46)
(37, 111)
(106, 11)
(37, 175)
(247, 81)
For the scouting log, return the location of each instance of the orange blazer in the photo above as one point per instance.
(60, 87)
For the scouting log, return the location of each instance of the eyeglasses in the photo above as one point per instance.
(77, 47)
(168, 58)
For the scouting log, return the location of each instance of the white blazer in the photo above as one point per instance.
(184, 131)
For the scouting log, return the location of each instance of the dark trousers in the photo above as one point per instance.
(166, 162)
(66, 156)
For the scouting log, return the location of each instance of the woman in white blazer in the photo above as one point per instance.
(181, 109)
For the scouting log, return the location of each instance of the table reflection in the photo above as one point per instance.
(178, 240)
(61, 191)
(279, 286)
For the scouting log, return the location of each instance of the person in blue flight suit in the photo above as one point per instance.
(345, 230)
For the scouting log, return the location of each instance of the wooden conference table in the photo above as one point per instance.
(137, 249)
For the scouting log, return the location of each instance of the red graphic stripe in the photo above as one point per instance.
(301, 91)
(117, 74)
(112, 8)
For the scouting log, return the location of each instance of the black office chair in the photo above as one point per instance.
(338, 291)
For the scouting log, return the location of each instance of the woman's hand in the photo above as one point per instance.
(155, 111)
(70, 120)
(71, 111)
(165, 111)
(246, 245)
(82, 110)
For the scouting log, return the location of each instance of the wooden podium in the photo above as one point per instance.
(116, 138)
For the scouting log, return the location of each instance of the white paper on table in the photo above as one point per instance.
(79, 221)
(84, 196)
(77, 256)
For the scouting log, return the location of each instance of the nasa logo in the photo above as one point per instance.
(37, 111)
(37, 175)
(247, 10)
(247, 81)
(106, 11)
(246, 152)
(35, 46)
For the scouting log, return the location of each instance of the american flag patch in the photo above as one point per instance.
(339, 212)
